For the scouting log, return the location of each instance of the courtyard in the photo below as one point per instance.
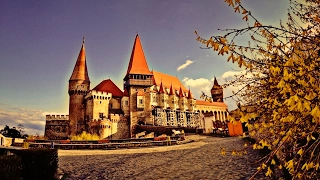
(200, 159)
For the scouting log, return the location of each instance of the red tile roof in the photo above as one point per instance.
(80, 71)
(110, 87)
(138, 63)
(125, 93)
(167, 81)
(207, 103)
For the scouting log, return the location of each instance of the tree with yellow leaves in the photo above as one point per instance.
(279, 101)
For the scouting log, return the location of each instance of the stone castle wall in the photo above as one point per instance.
(123, 129)
(57, 127)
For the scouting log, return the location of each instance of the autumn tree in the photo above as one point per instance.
(279, 95)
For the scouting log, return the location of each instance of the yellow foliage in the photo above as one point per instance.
(282, 91)
(85, 136)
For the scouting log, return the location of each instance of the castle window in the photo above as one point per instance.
(126, 103)
(140, 101)
(101, 115)
(136, 89)
(100, 102)
(111, 105)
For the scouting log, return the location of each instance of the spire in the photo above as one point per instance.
(161, 90)
(215, 83)
(189, 94)
(138, 63)
(181, 94)
(171, 90)
(80, 71)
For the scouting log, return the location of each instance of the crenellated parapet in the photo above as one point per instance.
(57, 117)
(115, 117)
(93, 94)
(101, 123)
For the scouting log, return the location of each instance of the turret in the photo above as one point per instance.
(216, 91)
(79, 86)
(182, 100)
(191, 101)
(138, 79)
(138, 73)
(173, 98)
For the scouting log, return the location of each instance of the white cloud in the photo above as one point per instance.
(183, 66)
(33, 121)
(200, 85)
(232, 74)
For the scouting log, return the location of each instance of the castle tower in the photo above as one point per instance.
(138, 78)
(138, 73)
(216, 91)
(79, 86)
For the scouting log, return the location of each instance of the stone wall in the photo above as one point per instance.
(122, 129)
(56, 129)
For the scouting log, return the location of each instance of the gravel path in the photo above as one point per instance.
(197, 160)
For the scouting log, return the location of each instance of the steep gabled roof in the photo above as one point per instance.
(167, 81)
(80, 71)
(110, 87)
(207, 103)
(138, 63)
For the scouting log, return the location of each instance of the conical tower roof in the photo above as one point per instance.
(80, 71)
(181, 94)
(215, 83)
(171, 90)
(189, 94)
(138, 63)
(161, 90)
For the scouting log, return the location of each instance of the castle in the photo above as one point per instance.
(148, 98)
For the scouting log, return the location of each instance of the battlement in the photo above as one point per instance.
(115, 117)
(57, 117)
(99, 95)
(102, 123)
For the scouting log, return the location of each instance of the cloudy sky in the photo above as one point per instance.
(40, 41)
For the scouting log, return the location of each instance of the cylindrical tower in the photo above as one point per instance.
(79, 86)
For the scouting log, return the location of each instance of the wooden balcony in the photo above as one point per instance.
(139, 82)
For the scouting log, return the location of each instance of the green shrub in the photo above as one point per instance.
(38, 163)
(10, 167)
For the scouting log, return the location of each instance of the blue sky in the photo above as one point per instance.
(40, 41)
